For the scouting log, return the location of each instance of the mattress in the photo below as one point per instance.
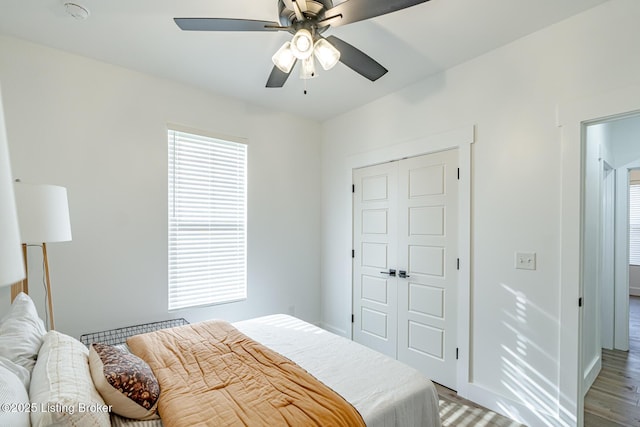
(386, 393)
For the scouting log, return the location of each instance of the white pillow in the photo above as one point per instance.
(21, 333)
(19, 371)
(61, 386)
(13, 394)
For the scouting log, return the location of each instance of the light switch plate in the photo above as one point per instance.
(526, 260)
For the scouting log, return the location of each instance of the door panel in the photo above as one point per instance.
(375, 244)
(427, 300)
(426, 260)
(427, 229)
(426, 220)
(374, 289)
(425, 340)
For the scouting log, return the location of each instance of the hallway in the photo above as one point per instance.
(614, 398)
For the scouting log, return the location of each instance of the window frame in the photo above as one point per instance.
(634, 222)
(214, 220)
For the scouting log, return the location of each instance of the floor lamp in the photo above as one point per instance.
(43, 216)
(11, 267)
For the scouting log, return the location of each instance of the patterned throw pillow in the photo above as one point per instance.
(124, 381)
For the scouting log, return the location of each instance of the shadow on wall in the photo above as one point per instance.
(521, 354)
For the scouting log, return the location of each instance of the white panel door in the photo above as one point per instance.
(427, 241)
(405, 218)
(375, 244)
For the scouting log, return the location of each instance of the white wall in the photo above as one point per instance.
(100, 131)
(625, 135)
(512, 95)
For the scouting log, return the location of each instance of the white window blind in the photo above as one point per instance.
(207, 220)
(634, 223)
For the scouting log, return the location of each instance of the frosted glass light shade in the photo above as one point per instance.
(284, 58)
(308, 68)
(326, 54)
(302, 44)
(11, 265)
(43, 213)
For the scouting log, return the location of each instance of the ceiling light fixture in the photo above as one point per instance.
(284, 58)
(77, 11)
(302, 44)
(303, 48)
(308, 69)
(327, 55)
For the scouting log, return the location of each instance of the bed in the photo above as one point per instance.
(384, 391)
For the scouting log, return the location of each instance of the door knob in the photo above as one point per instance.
(403, 274)
(391, 272)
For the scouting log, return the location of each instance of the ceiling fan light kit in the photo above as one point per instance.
(308, 68)
(307, 20)
(327, 55)
(302, 44)
(284, 58)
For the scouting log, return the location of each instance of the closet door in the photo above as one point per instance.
(375, 304)
(405, 223)
(428, 247)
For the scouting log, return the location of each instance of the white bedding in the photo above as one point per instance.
(387, 393)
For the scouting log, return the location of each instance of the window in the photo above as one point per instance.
(634, 223)
(207, 220)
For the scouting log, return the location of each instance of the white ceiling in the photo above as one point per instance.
(413, 43)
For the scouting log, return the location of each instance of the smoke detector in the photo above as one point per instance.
(77, 11)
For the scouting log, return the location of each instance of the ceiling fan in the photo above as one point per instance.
(307, 20)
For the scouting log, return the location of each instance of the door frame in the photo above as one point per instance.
(461, 139)
(607, 258)
(572, 117)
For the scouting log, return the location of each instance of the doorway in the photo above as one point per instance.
(405, 238)
(610, 152)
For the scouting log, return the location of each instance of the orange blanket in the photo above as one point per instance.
(212, 374)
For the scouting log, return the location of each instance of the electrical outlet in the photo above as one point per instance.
(526, 260)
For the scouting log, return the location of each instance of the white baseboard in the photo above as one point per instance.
(521, 412)
(592, 373)
(334, 329)
(634, 291)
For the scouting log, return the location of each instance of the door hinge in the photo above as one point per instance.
(580, 302)
(353, 188)
(353, 318)
(458, 264)
(457, 353)
(458, 173)
(353, 253)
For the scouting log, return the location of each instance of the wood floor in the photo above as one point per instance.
(458, 412)
(614, 398)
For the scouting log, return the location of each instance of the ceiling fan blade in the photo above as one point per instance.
(295, 6)
(223, 24)
(302, 4)
(277, 78)
(359, 10)
(357, 60)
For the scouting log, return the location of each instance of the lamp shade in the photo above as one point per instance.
(326, 54)
(11, 265)
(284, 58)
(302, 44)
(308, 68)
(43, 213)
